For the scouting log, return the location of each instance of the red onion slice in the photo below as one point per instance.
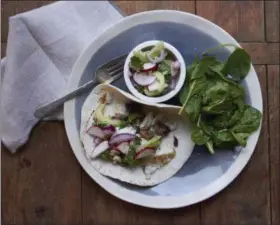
(144, 153)
(109, 130)
(157, 59)
(119, 138)
(102, 147)
(96, 132)
(143, 79)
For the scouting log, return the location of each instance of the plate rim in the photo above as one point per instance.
(158, 202)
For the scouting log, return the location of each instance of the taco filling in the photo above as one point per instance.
(125, 135)
(126, 139)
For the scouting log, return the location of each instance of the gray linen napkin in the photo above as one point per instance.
(43, 44)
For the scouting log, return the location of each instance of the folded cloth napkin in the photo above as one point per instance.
(43, 44)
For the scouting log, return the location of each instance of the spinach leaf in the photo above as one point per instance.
(209, 146)
(218, 47)
(222, 136)
(241, 138)
(207, 130)
(199, 137)
(249, 122)
(218, 107)
(237, 65)
(195, 87)
(225, 78)
(193, 108)
(202, 67)
(216, 91)
(229, 118)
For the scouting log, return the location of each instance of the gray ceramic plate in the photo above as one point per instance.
(203, 175)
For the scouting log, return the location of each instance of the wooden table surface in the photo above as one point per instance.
(44, 184)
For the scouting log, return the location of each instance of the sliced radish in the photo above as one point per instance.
(175, 65)
(173, 84)
(123, 147)
(143, 79)
(174, 72)
(109, 130)
(153, 86)
(144, 153)
(102, 147)
(119, 138)
(97, 140)
(96, 132)
(149, 67)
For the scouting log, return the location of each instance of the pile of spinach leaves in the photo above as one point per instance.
(214, 101)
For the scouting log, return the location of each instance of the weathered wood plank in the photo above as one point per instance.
(3, 49)
(10, 8)
(272, 20)
(242, 19)
(263, 53)
(100, 207)
(274, 139)
(42, 181)
(247, 200)
(8, 186)
(132, 7)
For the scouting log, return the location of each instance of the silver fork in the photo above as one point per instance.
(106, 73)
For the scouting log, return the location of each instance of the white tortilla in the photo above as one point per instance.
(136, 175)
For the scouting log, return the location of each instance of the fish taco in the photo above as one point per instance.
(132, 141)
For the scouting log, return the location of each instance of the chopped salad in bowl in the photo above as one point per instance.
(154, 71)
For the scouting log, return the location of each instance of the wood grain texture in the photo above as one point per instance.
(3, 49)
(96, 202)
(242, 19)
(247, 200)
(263, 53)
(132, 7)
(44, 184)
(42, 181)
(10, 8)
(272, 20)
(274, 139)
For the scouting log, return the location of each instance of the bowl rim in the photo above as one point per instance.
(159, 202)
(168, 95)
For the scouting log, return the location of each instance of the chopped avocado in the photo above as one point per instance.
(100, 118)
(155, 52)
(160, 77)
(152, 143)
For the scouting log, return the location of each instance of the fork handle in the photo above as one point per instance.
(47, 109)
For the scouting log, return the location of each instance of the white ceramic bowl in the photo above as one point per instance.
(170, 94)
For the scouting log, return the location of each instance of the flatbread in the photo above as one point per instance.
(136, 175)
